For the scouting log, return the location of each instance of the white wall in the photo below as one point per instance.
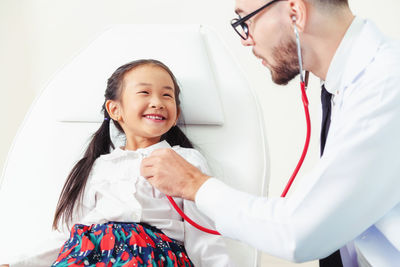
(38, 37)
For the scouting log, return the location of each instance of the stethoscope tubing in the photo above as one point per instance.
(303, 87)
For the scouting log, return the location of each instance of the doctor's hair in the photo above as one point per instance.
(329, 3)
(101, 143)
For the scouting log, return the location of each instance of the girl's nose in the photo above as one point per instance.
(156, 103)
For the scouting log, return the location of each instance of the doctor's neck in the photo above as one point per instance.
(322, 36)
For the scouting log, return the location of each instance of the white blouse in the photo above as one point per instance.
(115, 191)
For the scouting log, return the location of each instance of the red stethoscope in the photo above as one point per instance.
(303, 87)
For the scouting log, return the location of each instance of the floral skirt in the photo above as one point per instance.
(121, 244)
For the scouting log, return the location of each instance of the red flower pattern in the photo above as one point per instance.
(134, 247)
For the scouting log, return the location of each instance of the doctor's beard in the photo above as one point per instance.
(286, 65)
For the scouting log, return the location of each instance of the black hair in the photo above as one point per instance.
(101, 143)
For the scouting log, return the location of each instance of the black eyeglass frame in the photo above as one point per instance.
(241, 21)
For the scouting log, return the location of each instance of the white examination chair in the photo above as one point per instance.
(222, 116)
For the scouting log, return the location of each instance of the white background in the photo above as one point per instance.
(38, 37)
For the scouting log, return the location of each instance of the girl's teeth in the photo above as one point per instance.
(154, 117)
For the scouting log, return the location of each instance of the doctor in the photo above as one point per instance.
(354, 188)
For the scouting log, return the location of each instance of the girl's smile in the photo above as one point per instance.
(155, 117)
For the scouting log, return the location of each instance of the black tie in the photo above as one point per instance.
(326, 116)
(333, 260)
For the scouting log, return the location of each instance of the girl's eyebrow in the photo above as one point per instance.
(143, 84)
(149, 84)
(168, 87)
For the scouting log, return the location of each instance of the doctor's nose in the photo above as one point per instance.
(249, 41)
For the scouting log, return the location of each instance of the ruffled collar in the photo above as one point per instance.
(143, 152)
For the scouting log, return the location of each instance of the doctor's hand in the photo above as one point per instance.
(172, 174)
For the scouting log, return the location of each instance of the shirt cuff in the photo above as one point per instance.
(207, 196)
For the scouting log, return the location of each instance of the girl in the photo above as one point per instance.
(120, 219)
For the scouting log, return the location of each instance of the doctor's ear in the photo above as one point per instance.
(297, 13)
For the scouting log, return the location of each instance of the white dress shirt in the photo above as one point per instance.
(115, 191)
(355, 184)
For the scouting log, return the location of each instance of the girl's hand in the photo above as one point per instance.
(5, 265)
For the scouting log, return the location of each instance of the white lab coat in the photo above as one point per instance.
(351, 198)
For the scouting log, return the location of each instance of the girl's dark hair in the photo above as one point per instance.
(101, 142)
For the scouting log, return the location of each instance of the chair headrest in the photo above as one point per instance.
(79, 88)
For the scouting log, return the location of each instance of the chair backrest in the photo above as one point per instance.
(221, 112)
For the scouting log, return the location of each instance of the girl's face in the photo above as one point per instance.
(147, 108)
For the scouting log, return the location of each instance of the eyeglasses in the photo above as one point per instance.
(239, 24)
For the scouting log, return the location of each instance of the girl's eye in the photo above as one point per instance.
(143, 92)
(168, 95)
